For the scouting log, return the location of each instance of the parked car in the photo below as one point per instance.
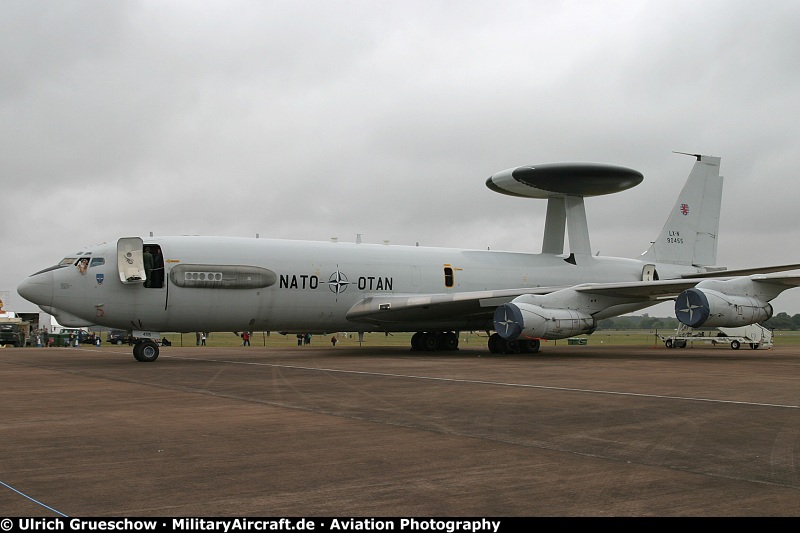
(119, 336)
(66, 337)
(12, 334)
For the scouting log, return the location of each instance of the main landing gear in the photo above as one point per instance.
(145, 351)
(499, 345)
(429, 341)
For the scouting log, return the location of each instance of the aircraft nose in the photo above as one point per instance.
(38, 288)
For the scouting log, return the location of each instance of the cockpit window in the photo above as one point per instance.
(82, 264)
(97, 261)
(48, 269)
(68, 261)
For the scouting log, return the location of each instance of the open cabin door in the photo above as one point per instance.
(130, 262)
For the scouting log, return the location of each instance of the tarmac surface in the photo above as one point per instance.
(386, 432)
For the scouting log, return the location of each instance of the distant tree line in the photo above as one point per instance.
(781, 321)
(644, 321)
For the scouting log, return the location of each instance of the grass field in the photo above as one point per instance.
(467, 339)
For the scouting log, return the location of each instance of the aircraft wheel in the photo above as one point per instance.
(119, 342)
(449, 341)
(494, 343)
(529, 346)
(510, 347)
(416, 341)
(735, 345)
(668, 343)
(430, 341)
(754, 345)
(146, 351)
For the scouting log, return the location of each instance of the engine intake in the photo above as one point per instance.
(709, 308)
(514, 320)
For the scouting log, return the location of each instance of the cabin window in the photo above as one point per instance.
(448, 276)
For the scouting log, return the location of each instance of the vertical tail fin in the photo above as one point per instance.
(690, 235)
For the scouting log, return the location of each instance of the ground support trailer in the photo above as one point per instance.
(754, 335)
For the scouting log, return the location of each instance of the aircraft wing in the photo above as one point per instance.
(669, 288)
(785, 280)
(645, 290)
(410, 308)
(479, 306)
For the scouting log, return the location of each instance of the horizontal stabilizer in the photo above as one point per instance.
(742, 272)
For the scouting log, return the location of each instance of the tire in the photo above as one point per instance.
(668, 343)
(430, 341)
(146, 351)
(754, 345)
(529, 346)
(494, 343)
(735, 345)
(510, 347)
(416, 341)
(449, 341)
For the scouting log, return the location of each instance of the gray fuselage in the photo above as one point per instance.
(313, 287)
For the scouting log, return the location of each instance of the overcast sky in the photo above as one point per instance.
(318, 119)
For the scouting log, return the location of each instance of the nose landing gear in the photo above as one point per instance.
(145, 351)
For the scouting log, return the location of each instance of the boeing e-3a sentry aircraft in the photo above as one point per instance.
(190, 283)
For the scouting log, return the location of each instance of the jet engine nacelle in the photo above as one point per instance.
(514, 320)
(709, 308)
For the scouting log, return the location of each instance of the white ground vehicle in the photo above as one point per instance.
(754, 335)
